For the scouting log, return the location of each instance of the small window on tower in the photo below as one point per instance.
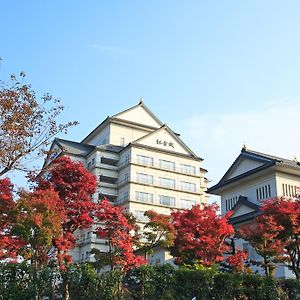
(122, 141)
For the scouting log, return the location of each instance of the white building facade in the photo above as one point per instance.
(140, 163)
(252, 178)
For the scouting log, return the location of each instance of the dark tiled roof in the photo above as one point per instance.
(245, 217)
(244, 200)
(275, 159)
(74, 147)
(111, 148)
(267, 160)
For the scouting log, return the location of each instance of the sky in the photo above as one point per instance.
(220, 73)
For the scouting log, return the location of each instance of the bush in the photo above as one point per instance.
(150, 282)
(18, 281)
(291, 288)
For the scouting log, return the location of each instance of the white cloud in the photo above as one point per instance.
(272, 128)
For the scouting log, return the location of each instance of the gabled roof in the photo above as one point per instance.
(140, 104)
(67, 147)
(119, 117)
(110, 148)
(75, 148)
(278, 160)
(174, 136)
(252, 212)
(244, 201)
(262, 160)
(101, 125)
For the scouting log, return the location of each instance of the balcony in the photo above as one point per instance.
(105, 163)
(109, 196)
(170, 168)
(157, 183)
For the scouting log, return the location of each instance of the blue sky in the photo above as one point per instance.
(221, 73)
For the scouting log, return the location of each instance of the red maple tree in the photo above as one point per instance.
(75, 187)
(9, 244)
(237, 260)
(37, 222)
(262, 235)
(120, 231)
(200, 235)
(276, 233)
(159, 231)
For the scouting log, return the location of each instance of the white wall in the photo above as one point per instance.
(101, 138)
(248, 189)
(129, 134)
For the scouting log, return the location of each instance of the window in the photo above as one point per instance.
(144, 160)
(167, 182)
(144, 197)
(289, 190)
(127, 159)
(122, 141)
(230, 203)
(166, 200)
(188, 186)
(82, 256)
(167, 165)
(188, 169)
(144, 178)
(126, 176)
(139, 214)
(187, 204)
(263, 192)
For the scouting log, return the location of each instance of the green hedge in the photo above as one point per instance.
(144, 283)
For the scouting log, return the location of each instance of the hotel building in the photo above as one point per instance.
(140, 163)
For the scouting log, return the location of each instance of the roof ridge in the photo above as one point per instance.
(73, 142)
(270, 156)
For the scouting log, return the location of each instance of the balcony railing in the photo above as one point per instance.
(157, 183)
(175, 169)
(102, 165)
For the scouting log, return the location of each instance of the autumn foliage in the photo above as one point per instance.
(9, 244)
(117, 228)
(159, 231)
(75, 187)
(27, 125)
(275, 235)
(200, 235)
(37, 224)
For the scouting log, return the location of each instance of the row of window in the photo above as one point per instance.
(163, 200)
(263, 192)
(164, 182)
(230, 203)
(186, 204)
(290, 190)
(165, 164)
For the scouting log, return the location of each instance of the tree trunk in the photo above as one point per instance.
(67, 293)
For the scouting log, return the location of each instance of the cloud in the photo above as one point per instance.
(271, 128)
